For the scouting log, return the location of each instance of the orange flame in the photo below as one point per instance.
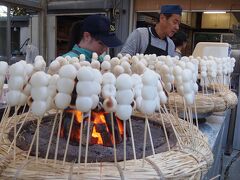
(96, 118)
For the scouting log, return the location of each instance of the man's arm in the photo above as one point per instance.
(133, 44)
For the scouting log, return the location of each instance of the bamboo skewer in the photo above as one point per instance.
(114, 140)
(191, 126)
(144, 143)
(51, 136)
(80, 143)
(68, 139)
(132, 138)
(24, 107)
(5, 113)
(124, 144)
(58, 136)
(30, 148)
(195, 112)
(164, 129)
(38, 135)
(15, 142)
(150, 136)
(88, 134)
(14, 114)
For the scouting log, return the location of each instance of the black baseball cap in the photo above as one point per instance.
(171, 9)
(99, 27)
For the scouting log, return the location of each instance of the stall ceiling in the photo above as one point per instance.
(189, 5)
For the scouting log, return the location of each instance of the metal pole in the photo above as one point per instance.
(231, 126)
(43, 30)
(8, 28)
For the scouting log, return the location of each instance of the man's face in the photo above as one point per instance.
(170, 25)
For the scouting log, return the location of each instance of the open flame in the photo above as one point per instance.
(101, 130)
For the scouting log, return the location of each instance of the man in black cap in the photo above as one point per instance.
(91, 35)
(155, 40)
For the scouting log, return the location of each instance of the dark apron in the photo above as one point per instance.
(154, 50)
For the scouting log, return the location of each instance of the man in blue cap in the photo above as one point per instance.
(155, 40)
(91, 35)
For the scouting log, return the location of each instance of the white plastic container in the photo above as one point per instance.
(214, 49)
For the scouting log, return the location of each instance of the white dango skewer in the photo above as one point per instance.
(105, 67)
(54, 67)
(189, 96)
(65, 86)
(15, 97)
(148, 104)
(117, 70)
(109, 92)
(3, 72)
(67, 74)
(137, 87)
(25, 88)
(124, 97)
(127, 67)
(52, 91)
(16, 82)
(39, 63)
(84, 102)
(95, 64)
(39, 82)
(109, 102)
(162, 99)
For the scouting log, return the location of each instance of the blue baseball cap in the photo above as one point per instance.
(171, 9)
(99, 27)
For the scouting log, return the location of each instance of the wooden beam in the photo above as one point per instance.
(188, 5)
(23, 3)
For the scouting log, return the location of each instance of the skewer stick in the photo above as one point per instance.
(175, 104)
(202, 86)
(114, 140)
(5, 113)
(38, 130)
(205, 86)
(30, 148)
(58, 136)
(88, 134)
(132, 138)
(68, 139)
(124, 143)
(144, 143)
(15, 137)
(150, 136)
(51, 136)
(14, 114)
(14, 141)
(184, 107)
(24, 107)
(80, 143)
(195, 112)
(191, 126)
(185, 110)
(164, 129)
